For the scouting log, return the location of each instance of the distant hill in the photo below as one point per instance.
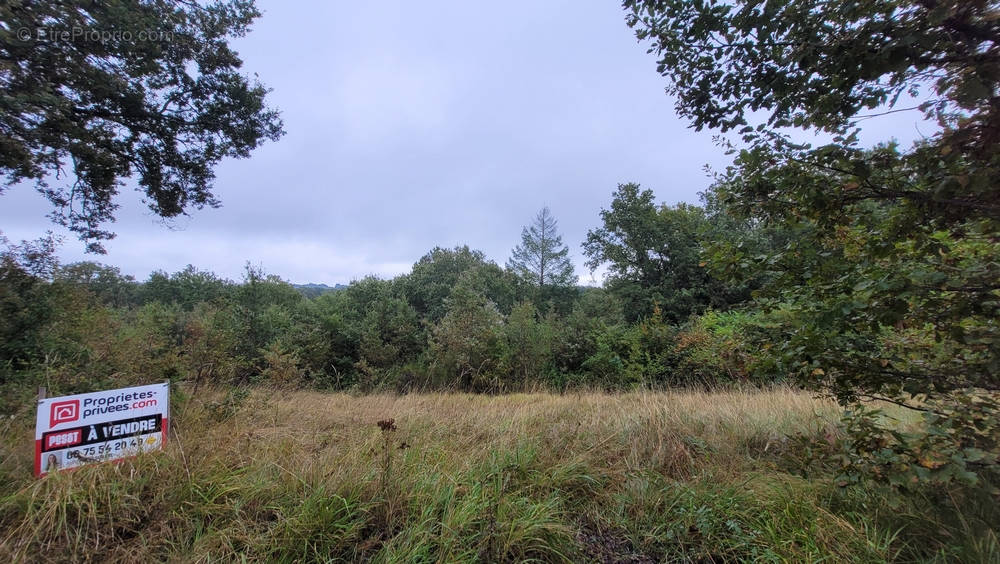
(312, 290)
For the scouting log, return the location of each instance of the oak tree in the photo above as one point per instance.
(888, 287)
(95, 93)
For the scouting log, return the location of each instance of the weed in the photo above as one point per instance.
(638, 477)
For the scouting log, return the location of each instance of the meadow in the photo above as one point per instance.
(304, 476)
(471, 410)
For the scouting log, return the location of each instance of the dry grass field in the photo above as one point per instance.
(265, 475)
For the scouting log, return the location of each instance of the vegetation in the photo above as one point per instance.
(542, 259)
(887, 286)
(653, 254)
(839, 301)
(456, 322)
(638, 477)
(150, 90)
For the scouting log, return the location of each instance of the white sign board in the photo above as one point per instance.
(71, 431)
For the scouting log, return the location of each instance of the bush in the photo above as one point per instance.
(717, 347)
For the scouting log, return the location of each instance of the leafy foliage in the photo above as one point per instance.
(887, 287)
(439, 271)
(654, 256)
(123, 89)
(25, 306)
(465, 342)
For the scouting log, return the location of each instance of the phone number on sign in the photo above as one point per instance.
(110, 448)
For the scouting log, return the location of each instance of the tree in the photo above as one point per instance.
(577, 336)
(466, 344)
(654, 257)
(527, 351)
(390, 332)
(437, 273)
(26, 302)
(888, 288)
(186, 288)
(106, 283)
(126, 89)
(818, 64)
(542, 259)
(260, 312)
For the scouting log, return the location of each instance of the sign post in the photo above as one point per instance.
(71, 431)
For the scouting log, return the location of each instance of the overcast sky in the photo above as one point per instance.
(419, 124)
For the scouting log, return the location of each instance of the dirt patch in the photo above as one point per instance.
(608, 546)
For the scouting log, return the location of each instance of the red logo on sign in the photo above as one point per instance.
(63, 411)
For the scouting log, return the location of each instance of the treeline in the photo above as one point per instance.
(456, 321)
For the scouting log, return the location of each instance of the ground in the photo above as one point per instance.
(272, 475)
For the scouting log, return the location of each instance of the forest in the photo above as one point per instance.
(457, 321)
(802, 366)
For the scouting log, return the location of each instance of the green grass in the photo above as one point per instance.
(641, 477)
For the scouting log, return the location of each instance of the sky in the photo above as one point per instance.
(412, 125)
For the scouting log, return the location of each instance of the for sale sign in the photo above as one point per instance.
(74, 430)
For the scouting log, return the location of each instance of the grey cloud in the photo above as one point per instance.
(412, 125)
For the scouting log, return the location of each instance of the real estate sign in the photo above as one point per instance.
(74, 430)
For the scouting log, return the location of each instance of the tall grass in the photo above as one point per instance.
(306, 476)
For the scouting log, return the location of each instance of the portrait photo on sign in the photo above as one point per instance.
(53, 462)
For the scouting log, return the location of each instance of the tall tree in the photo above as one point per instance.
(653, 255)
(542, 259)
(124, 89)
(889, 287)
